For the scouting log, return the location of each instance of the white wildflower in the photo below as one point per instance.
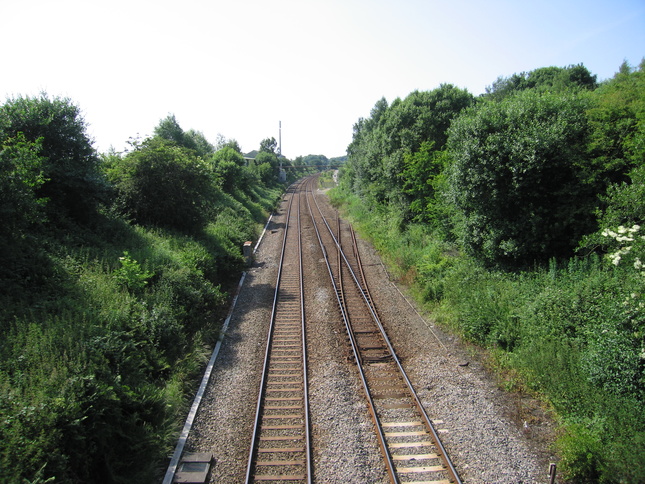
(615, 258)
(624, 239)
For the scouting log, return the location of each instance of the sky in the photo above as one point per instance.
(238, 68)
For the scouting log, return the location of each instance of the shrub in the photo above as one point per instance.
(165, 185)
(72, 180)
(21, 175)
(581, 452)
(130, 274)
(515, 178)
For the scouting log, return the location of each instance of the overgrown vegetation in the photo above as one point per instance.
(517, 218)
(114, 273)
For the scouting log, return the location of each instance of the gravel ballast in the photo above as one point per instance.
(491, 436)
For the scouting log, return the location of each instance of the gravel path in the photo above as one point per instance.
(481, 427)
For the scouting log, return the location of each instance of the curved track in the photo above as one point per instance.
(410, 446)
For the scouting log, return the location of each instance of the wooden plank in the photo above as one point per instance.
(405, 434)
(415, 470)
(280, 463)
(283, 437)
(409, 445)
(383, 396)
(282, 427)
(397, 405)
(442, 481)
(273, 450)
(282, 477)
(401, 424)
(414, 456)
(282, 416)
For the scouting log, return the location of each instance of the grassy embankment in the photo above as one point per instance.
(105, 330)
(568, 333)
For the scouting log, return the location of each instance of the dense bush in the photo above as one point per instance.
(380, 143)
(72, 181)
(20, 178)
(515, 178)
(165, 185)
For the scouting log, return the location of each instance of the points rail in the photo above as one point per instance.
(410, 445)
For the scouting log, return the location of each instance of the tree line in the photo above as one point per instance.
(519, 174)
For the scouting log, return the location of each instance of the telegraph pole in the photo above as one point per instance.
(282, 174)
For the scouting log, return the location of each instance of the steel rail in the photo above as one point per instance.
(389, 464)
(362, 288)
(443, 454)
(254, 448)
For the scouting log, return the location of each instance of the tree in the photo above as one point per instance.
(223, 142)
(617, 149)
(229, 167)
(72, 183)
(165, 185)
(617, 118)
(544, 79)
(516, 177)
(381, 143)
(424, 178)
(267, 166)
(268, 145)
(169, 129)
(20, 178)
(199, 141)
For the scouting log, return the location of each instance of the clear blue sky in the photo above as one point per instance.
(237, 68)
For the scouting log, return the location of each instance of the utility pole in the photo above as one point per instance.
(282, 175)
(279, 138)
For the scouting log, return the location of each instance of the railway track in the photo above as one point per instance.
(409, 443)
(280, 450)
(281, 444)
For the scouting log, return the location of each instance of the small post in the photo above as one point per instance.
(247, 251)
(552, 472)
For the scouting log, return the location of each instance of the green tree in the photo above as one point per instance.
(268, 145)
(424, 180)
(70, 170)
(202, 146)
(165, 185)
(516, 177)
(229, 167)
(169, 129)
(380, 144)
(223, 142)
(544, 79)
(20, 178)
(617, 119)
